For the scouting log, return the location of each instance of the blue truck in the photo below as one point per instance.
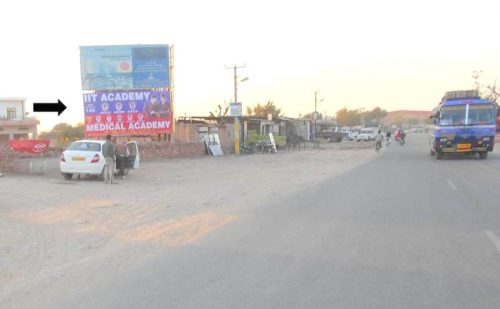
(463, 122)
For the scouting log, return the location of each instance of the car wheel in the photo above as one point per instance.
(101, 175)
(67, 176)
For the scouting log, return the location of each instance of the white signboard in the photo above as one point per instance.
(235, 110)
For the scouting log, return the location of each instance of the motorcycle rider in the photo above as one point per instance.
(402, 135)
(397, 135)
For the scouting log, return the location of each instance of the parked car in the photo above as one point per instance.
(367, 134)
(354, 133)
(331, 136)
(347, 134)
(85, 157)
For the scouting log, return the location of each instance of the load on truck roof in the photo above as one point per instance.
(460, 95)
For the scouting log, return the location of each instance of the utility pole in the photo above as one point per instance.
(315, 116)
(236, 119)
(362, 116)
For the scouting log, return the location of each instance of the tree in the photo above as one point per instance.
(310, 116)
(375, 115)
(490, 92)
(219, 112)
(264, 110)
(347, 117)
(413, 121)
(64, 133)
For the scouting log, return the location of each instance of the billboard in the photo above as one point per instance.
(123, 113)
(123, 67)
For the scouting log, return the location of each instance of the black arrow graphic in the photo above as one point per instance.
(58, 107)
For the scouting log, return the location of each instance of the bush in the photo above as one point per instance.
(280, 140)
(253, 138)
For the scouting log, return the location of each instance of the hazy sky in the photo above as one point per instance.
(395, 54)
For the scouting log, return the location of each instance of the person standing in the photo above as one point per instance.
(121, 157)
(378, 141)
(108, 151)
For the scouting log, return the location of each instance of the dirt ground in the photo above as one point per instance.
(53, 231)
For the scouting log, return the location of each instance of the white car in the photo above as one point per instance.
(367, 134)
(85, 157)
(347, 134)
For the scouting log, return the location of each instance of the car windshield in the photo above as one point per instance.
(481, 114)
(85, 146)
(452, 115)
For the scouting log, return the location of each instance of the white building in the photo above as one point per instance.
(13, 121)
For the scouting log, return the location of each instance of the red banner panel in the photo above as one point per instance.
(30, 146)
(124, 125)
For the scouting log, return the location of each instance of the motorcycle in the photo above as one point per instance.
(400, 139)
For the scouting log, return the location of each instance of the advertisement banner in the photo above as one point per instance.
(30, 146)
(125, 113)
(125, 67)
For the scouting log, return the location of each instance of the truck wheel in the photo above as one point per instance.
(483, 155)
(67, 176)
(433, 153)
(439, 155)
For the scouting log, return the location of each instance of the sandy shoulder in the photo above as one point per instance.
(55, 231)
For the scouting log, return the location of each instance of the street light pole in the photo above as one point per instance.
(315, 113)
(236, 118)
(235, 74)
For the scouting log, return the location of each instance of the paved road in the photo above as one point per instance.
(402, 231)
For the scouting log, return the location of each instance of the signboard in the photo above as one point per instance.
(139, 112)
(125, 67)
(30, 146)
(235, 110)
(315, 115)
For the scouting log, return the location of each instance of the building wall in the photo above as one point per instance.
(194, 133)
(19, 127)
(185, 133)
(302, 128)
(18, 104)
